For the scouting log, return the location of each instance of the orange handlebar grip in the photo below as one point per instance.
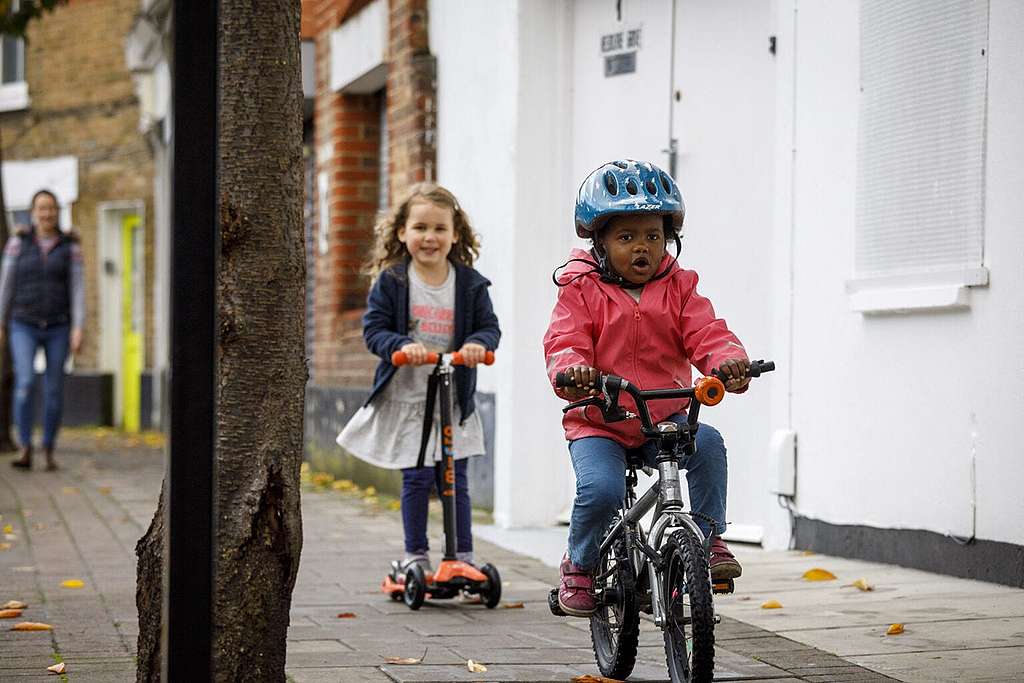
(488, 358)
(709, 391)
(400, 358)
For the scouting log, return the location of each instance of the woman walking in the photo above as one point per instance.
(42, 304)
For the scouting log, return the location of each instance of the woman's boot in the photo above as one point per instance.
(25, 461)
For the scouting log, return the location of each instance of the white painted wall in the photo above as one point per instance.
(891, 411)
(768, 158)
(725, 122)
(500, 117)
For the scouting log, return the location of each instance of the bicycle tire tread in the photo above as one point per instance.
(702, 618)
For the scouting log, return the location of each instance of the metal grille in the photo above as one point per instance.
(921, 142)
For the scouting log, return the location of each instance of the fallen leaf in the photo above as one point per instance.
(772, 604)
(370, 491)
(73, 583)
(10, 613)
(807, 553)
(818, 574)
(14, 604)
(512, 605)
(8, 529)
(70, 489)
(346, 615)
(57, 668)
(31, 626)
(587, 678)
(105, 490)
(863, 585)
(475, 667)
(395, 505)
(371, 500)
(5, 546)
(894, 630)
(10, 537)
(406, 660)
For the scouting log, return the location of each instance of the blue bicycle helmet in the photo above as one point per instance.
(624, 187)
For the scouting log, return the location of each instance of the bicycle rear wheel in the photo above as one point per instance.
(615, 626)
(689, 613)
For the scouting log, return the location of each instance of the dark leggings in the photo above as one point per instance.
(417, 483)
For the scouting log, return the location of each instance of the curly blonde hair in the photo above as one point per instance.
(388, 251)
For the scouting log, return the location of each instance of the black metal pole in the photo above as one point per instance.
(195, 243)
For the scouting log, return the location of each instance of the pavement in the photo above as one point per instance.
(82, 522)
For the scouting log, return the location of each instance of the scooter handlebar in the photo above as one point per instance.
(399, 358)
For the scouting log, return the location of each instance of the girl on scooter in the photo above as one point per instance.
(425, 297)
(626, 307)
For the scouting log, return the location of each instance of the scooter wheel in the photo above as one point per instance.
(491, 594)
(415, 587)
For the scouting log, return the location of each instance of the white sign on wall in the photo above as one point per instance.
(619, 50)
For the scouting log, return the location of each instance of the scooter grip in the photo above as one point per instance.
(400, 358)
(564, 380)
(457, 358)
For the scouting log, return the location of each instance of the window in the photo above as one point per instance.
(13, 89)
(921, 143)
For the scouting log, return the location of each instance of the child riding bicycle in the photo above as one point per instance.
(626, 307)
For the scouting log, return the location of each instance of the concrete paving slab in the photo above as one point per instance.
(918, 637)
(986, 664)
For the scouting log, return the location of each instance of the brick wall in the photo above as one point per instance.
(347, 143)
(83, 104)
(411, 96)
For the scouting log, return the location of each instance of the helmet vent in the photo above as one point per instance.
(621, 164)
(631, 186)
(651, 187)
(611, 183)
(665, 183)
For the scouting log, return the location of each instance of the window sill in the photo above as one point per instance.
(941, 291)
(14, 96)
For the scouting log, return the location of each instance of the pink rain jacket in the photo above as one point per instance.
(651, 343)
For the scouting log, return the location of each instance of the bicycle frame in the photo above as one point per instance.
(645, 555)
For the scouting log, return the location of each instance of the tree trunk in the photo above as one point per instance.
(261, 365)
(6, 372)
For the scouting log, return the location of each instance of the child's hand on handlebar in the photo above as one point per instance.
(585, 378)
(734, 374)
(472, 354)
(416, 353)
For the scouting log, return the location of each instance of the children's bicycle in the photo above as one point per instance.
(453, 577)
(662, 570)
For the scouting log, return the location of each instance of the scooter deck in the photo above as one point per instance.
(448, 572)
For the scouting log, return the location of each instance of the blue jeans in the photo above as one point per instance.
(417, 483)
(600, 466)
(24, 340)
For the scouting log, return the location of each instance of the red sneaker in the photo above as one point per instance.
(576, 590)
(723, 562)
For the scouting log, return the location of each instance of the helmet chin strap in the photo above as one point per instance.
(608, 273)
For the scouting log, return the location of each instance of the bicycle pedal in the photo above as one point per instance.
(723, 586)
(553, 605)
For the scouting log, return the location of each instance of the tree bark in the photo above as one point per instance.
(261, 365)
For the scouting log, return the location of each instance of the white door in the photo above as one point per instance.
(724, 121)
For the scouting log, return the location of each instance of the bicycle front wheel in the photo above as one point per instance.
(689, 613)
(615, 626)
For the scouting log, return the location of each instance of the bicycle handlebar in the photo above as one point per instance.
(756, 369)
(399, 358)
